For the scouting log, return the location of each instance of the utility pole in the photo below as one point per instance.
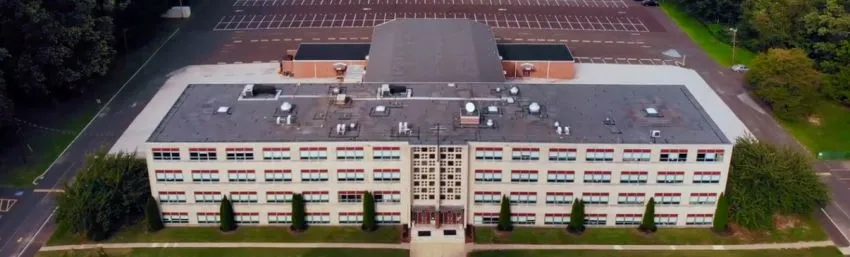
(734, 41)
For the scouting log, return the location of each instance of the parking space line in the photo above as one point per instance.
(6, 204)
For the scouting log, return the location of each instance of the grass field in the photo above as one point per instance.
(233, 252)
(827, 131)
(720, 51)
(811, 252)
(806, 230)
(327, 234)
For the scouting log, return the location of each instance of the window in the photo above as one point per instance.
(314, 153)
(280, 218)
(556, 219)
(243, 197)
(241, 176)
(562, 154)
(202, 154)
(387, 196)
(597, 177)
(209, 218)
(523, 198)
(674, 155)
(488, 197)
(559, 198)
(240, 153)
(488, 153)
(316, 196)
(628, 219)
(388, 218)
(699, 219)
(172, 197)
(175, 217)
(703, 198)
(599, 155)
(350, 197)
(523, 218)
(386, 153)
(350, 217)
(636, 155)
(247, 218)
(560, 176)
(169, 175)
(525, 154)
(314, 175)
(707, 177)
(666, 219)
(488, 176)
(595, 198)
(670, 177)
(393, 175)
(278, 175)
(595, 219)
(633, 177)
(318, 218)
(710, 155)
(485, 218)
(205, 176)
(278, 197)
(207, 197)
(350, 175)
(276, 153)
(524, 176)
(631, 198)
(170, 154)
(349, 153)
(668, 198)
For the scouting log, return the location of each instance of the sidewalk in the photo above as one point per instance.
(223, 245)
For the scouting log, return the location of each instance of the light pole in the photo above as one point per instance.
(734, 41)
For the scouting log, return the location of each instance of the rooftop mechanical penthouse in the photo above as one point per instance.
(438, 155)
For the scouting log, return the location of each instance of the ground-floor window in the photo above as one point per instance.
(596, 219)
(247, 218)
(523, 218)
(350, 218)
(628, 219)
(175, 217)
(556, 219)
(486, 218)
(666, 219)
(209, 218)
(280, 218)
(699, 219)
(388, 218)
(318, 218)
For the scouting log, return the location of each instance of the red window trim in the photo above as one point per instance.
(674, 150)
(556, 215)
(562, 172)
(270, 149)
(247, 214)
(488, 171)
(315, 192)
(525, 149)
(666, 215)
(318, 214)
(523, 193)
(350, 192)
(207, 193)
(239, 149)
(172, 193)
(313, 149)
(597, 215)
(637, 151)
(387, 192)
(488, 193)
(168, 171)
(671, 173)
(201, 149)
(488, 149)
(629, 215)
(486, 214)
(209, 213)
(388, 213)
(599, 150)
(176, 213)
(667, 194)
(700, 215)
(631, 194)
(386, 148)
(280, 213)
(350, 148)
(523, 214)
(386, 170)
(594, 194)
(706, 173)
(205, 171)
(559, 193)
(597, 172)
(350, 213)
(703, 194)
(165, 149)
(718, 151)
(278, 171)
(349, 171)
(279, 193)
(240, 171)
(314, 171)
(634, 173)
(562, 150)
(524, 171)
(243, 193)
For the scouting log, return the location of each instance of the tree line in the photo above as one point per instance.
(51, 50)
(815, 34)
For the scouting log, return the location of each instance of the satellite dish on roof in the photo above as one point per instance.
(470, 107)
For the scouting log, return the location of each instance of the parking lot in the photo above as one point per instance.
(563, 3)
(623, 60)
(359, 20)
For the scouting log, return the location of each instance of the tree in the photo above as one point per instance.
(109, 191)
(369, 223)
(577, 217)
(837, 86)
(505, 223)
(299, 213)
(786, 80)
(721, 214)
(228, 223)
(152, 215)
(648, 223)
(760, 172)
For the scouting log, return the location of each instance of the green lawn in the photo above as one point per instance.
(233, 252)
(328, 234)
(808, 230)
(811, 252)
(831, 135)
(720, 51)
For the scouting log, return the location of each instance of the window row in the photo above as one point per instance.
(566, 198)
(279, 218)
(278, 153)
(599, 177)
(597, 155)
(279, 197)
(481, 218)
(306, 175)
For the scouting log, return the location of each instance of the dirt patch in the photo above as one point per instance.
(814, 120)
(786, 222)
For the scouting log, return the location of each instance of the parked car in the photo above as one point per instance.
(649, 3)
(740, 68)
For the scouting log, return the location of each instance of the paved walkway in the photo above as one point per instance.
(469, 247)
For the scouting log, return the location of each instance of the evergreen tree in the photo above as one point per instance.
(369, 223)
(152, 215)
(228, 223)
(648, 224)
(721, 214)
(577, 217)
(299, 213)
(505, 223)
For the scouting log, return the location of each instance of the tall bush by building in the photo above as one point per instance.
(505, 223)
(785, 79)
(228, 221)
(369, 215)
(109, 191)
(299, 213)
(577, 217)
(721, 214)
(152, 215)
(648, 223)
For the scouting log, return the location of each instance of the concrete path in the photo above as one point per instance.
(223, 245)
(797, 245)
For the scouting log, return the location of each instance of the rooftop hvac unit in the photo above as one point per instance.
(341, 99)
(223, 110)
(490, 123)
(514, 91)
(380, 108)
(655, 133)
(527, 66)
(286, 107)
(566, 130)
(534, 107)
(492, 109)
(340, 66)
(469, 107)
(248, 90)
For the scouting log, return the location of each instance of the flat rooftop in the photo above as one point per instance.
(594, 113)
